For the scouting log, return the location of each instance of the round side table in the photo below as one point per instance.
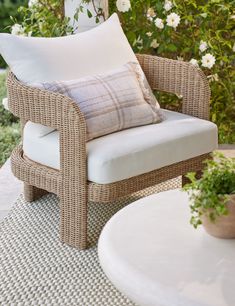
(151, 253)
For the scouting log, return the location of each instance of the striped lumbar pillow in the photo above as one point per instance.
(111, 102)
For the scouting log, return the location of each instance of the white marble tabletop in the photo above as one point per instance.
(153, 255)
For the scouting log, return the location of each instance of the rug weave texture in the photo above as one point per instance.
(37, 269)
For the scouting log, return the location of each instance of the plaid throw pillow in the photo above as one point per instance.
(111, 102)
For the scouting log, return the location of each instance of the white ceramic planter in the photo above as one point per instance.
(224, 227)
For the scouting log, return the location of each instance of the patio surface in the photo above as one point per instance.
(11, 187)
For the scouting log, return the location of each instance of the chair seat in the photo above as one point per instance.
(131, 152)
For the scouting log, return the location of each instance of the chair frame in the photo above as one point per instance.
(70, 182)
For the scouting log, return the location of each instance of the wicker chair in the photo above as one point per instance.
(61, 113)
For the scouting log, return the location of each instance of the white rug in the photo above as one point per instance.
(36, 269)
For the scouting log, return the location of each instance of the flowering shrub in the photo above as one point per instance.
(9, 126)
(200, 32)
(42, 18)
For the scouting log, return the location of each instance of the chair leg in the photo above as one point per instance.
(73, 219)
(32, 193)
(185, 180)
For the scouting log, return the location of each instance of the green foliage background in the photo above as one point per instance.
(9, 126)
(210, 21)
(46, 19)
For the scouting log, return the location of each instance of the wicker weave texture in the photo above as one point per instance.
(50, 179)
(180, 78)
(63, 114)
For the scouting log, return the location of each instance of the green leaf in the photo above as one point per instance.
(131, 36)
(172, 47)
(89, 13)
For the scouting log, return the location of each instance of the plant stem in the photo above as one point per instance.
(98, 13)
(62, 8)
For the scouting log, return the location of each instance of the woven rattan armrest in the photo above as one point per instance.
(180, 78)
(42, 106)
(60, 112)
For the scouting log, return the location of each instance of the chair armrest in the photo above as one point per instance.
(42, 106)
(180, 78)
(62, 113)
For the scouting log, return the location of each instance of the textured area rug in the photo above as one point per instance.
(36, 269)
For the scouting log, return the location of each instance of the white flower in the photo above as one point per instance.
(232, 17)
(123, 5)
(5, 103)
(234, 47)
(194, 62)
(154, 44)
(173, 20)
(213, 77)
(138, 43)
(151, 13)
(33, 3)
(203, 46)
(168, 5)
(149, 34)
(180, 58)
(17, 29)
(159, 23)
(208, 60)
(204, 15)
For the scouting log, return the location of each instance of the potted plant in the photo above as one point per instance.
(212, 197)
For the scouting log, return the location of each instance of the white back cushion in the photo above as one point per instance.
(99, 50)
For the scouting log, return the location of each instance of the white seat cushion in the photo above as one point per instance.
(130, 152)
